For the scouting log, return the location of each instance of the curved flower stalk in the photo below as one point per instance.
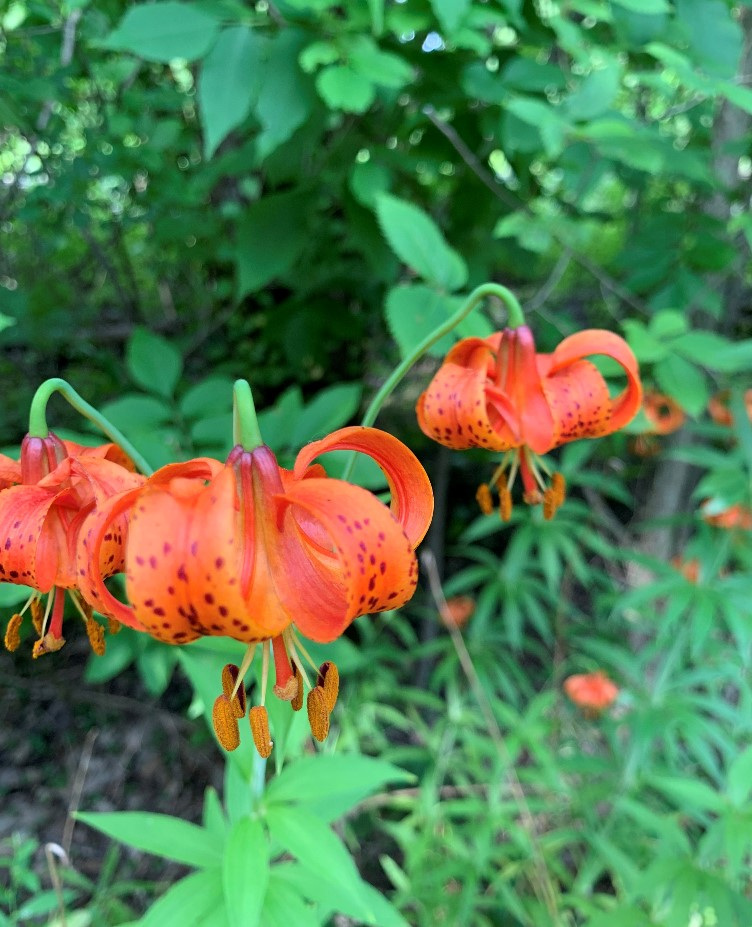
(58, 483)
(498, 393)
(252, 551)
(592, 692)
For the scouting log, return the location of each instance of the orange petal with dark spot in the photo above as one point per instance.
(376, 565)
(412, 496)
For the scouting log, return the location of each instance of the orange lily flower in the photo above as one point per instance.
(457, 611)
(664, 413)
(247, 549)
(58, 484)
(735, 516)
(498, 393)
(690, 569)
(719, 411)
(593, 692)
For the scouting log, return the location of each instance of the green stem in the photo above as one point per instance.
(38, 418)
(515, 318)
(245, 427)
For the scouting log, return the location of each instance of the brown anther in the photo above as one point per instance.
(225, 723)
(288, 691)
(550, 504)
(13, 633)
(229, 679)
(483, 498)
(297, 702)
(260, 729)
(95, 633)
(47, 644)
(502, 482)
(37, 615)
(86, 609)
(329, 681)
(114, 626)
(559, 486)
(532, 497)
(318, 713)
(505, 504)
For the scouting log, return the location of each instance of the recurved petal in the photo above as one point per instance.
(578, 398)
(595, 341)
(412, 496)
(375, 567)
(29, 541)
(100, 537)
(10, 471)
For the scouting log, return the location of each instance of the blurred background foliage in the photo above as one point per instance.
(297, 192)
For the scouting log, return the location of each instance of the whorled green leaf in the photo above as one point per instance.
(188, 902)
(160, 834)
(245, 872)
(331, 784)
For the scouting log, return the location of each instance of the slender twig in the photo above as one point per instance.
(509, 199)
(53, 852)
(78, 787)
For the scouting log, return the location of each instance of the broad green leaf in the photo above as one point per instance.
(229, 83)
(331, 784)
(646, 7)
(331, 408)
(735, 358)
(212, 396)
(416, 239)
(367, 181)
(245, 872)
(316, 54)
(543, 118)
(700, 346)
(596, 93)
(135, 412)
(383, 68)
(284, 906)
(316, 847)
(645, 345)
(450, 13)
(715, 37)
(286, 96)
(160, 834)
(354, 898)
(153, 362)
(188, 902)
(415, 311)
(165, 30)
(683, 381)
(271, 236)
(343, 88)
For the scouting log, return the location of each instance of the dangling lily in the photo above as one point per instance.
(592, 692)
(58, 484)
(498, 393)
(664, 416)
(252, 551)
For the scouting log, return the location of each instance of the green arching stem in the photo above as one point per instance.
(515, 318)
(245, 427)
(38, 418)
